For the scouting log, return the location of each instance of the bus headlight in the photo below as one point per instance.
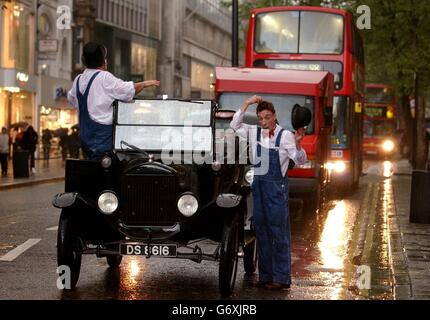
(337, 166)
(388, 146)
(188, 205)
(108, 202)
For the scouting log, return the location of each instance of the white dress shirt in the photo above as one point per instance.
(105, 89)
(287, 147)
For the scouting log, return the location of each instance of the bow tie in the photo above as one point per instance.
(271, 133)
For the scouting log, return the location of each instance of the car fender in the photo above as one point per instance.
(228, 200)
(69, 199)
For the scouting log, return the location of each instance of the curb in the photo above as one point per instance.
(30, 183)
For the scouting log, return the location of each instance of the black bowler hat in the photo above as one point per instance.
(93, 55)
(300, 117)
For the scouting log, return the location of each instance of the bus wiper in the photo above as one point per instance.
(132, 147)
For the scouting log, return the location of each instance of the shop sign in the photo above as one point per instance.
(48, 46)
(60, 93)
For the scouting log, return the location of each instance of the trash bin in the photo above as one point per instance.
(420, 195)
(20, 164)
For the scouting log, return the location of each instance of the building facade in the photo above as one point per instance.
(176, 41)
(196, 38)
(130, 30)
(18, 80)
(54, 53)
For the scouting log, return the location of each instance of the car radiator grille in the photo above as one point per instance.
(149, 200)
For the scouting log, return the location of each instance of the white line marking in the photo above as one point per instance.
(15, 253)
(52, 228)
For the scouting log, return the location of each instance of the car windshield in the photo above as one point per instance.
(164, 125)
(283, 104)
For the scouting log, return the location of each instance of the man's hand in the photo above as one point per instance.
(151, 83)
(138, 87)
(250, 101)
(299, 135)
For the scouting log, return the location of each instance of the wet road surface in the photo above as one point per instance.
(328, 248)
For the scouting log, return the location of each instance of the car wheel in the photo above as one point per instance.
(69, 251)
(250, 257)
(228, 256)
(114, 261)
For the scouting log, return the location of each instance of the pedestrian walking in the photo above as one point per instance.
(46, 144)
(270, 189)
(29, 143)
(4, 150)
(93, 93)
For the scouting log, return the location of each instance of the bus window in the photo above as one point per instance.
(340, 122)
(277, 32)
(321, 33)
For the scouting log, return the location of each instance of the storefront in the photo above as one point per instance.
(18, 85)
(17, 98)
(54, 110)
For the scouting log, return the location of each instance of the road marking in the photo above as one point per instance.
(15, 253)
(55, 228)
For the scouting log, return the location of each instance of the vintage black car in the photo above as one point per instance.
(160, 188)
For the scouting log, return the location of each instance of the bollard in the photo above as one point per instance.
(420, 195)
(20, 164)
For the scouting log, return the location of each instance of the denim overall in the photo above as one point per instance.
(271, 218)
(96, 138)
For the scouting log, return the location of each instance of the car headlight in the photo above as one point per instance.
(249, 176)
(108, 202)
(106, 162)
(388, 146)
(216, 166)
(337, 166)
(188, 205)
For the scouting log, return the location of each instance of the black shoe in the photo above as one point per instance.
(263, 283)
(277, 286)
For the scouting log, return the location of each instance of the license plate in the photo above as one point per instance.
(160, 250)
(337, 154)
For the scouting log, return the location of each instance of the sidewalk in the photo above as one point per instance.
(410, 242)
(55, 172)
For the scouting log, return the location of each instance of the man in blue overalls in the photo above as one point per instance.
(93, 92)
(270, 189)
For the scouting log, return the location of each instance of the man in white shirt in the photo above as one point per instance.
(93, 93)
(270, 189)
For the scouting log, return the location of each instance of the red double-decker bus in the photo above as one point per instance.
(319, 39)
(379, 120)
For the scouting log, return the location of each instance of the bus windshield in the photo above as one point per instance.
(379, 95)
(283, 104)
(299, 32)
(378, 129)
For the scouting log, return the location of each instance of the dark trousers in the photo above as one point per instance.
(3, 163)
(32, 162)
